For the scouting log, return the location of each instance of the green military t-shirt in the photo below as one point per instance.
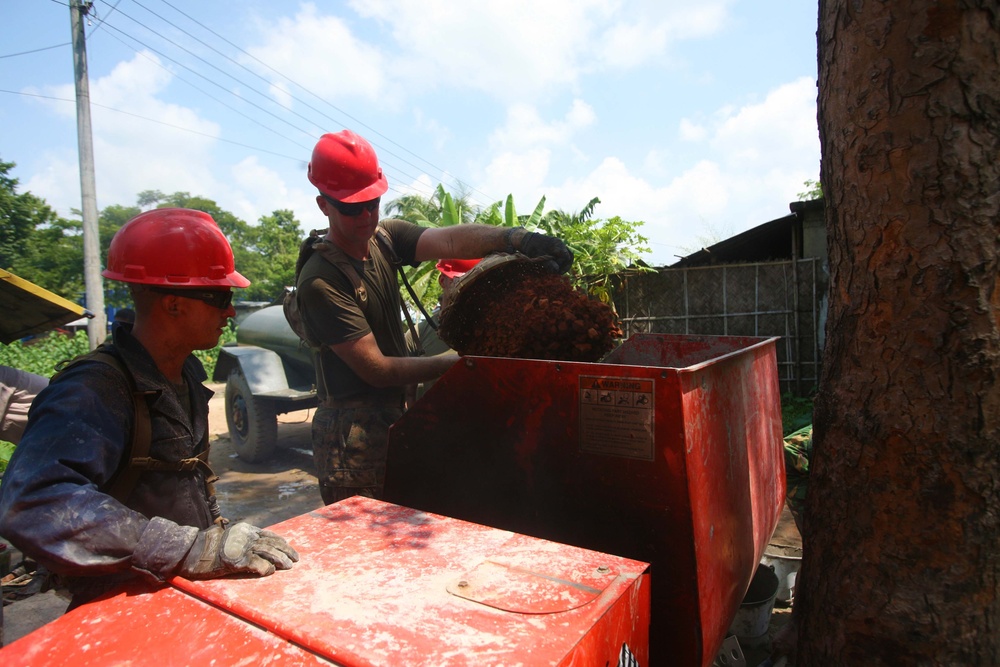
(332, 315)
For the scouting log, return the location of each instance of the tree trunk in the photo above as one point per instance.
(902, 543)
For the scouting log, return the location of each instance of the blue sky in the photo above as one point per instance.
(697, 118)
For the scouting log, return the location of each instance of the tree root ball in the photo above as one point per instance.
(535, 316)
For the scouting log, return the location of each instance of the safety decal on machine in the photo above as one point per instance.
(616, 416)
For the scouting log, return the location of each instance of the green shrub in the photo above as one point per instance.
(40, 355)
(796, 412)
(209, 357)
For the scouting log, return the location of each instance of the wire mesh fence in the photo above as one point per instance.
(761, 299)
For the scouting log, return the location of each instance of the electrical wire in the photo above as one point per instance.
(265, 80)
(103, 21)
(308, 133)
(44, 48)
(210, 96)
(462, 184)
(312, 135)
(153, 120)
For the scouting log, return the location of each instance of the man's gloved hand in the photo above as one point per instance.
(219, 551)
(534, 244)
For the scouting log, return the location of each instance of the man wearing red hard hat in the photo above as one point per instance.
(350, 306)
(110, 481)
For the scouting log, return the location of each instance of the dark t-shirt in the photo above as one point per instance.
(332, 315)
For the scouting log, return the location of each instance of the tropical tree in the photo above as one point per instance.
(441, 209)
(814, 190)
(274, 247)
(604, 250)
(37, 244)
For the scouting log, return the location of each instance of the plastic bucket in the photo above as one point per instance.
(785, 561)
(754, 615)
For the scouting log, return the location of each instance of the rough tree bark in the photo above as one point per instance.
(902, 542)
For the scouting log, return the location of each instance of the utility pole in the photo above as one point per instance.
(97, 327)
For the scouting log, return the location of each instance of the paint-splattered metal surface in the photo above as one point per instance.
(380, 584)
(166, 628)
(376, 584)
(667, 451)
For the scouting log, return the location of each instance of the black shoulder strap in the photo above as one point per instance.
(332, 253)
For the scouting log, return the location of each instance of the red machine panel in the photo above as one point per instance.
(668, 451)
(380, 584)
(166, 628)
(376, 585)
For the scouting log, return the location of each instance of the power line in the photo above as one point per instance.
(44, 48)
(462, 183)
(153, 120)
(176, 62)
(311, 135)
(209, 95)
(266, 81)
(101, 22)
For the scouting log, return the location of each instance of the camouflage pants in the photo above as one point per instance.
(349, 449)
(798, 451)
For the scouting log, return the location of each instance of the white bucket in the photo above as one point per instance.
(785, 561)
(754, 615)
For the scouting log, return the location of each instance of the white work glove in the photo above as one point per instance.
(240, 548)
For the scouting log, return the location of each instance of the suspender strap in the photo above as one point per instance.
(138, 460)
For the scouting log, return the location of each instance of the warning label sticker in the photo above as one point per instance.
(616, 416)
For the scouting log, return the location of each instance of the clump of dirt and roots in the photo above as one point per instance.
(529, 315)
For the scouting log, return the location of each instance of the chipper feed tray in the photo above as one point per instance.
(667, 451)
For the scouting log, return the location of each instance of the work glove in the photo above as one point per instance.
(240, 548)
(534, 244)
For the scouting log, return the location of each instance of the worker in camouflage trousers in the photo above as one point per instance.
(349, 303)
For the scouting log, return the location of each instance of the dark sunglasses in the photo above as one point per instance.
(353, 210)
(217, 298)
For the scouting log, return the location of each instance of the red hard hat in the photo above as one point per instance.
(344, 166)
(453, 268)
(179, 247)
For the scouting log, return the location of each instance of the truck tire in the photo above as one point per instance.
(253, 423)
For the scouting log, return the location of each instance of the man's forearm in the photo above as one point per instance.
(468, 241)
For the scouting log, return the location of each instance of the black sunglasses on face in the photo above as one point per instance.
(217, 298)
(353, 210)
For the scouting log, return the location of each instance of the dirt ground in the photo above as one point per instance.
(264, 493)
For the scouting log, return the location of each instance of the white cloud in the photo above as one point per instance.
(525, 128)
(691, 131)
(784, 124)
(321, 53)
(519, 173)
(755, 159)
(432, 127)
(507, 48)
(140, 142)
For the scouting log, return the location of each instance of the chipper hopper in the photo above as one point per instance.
(668, 451)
